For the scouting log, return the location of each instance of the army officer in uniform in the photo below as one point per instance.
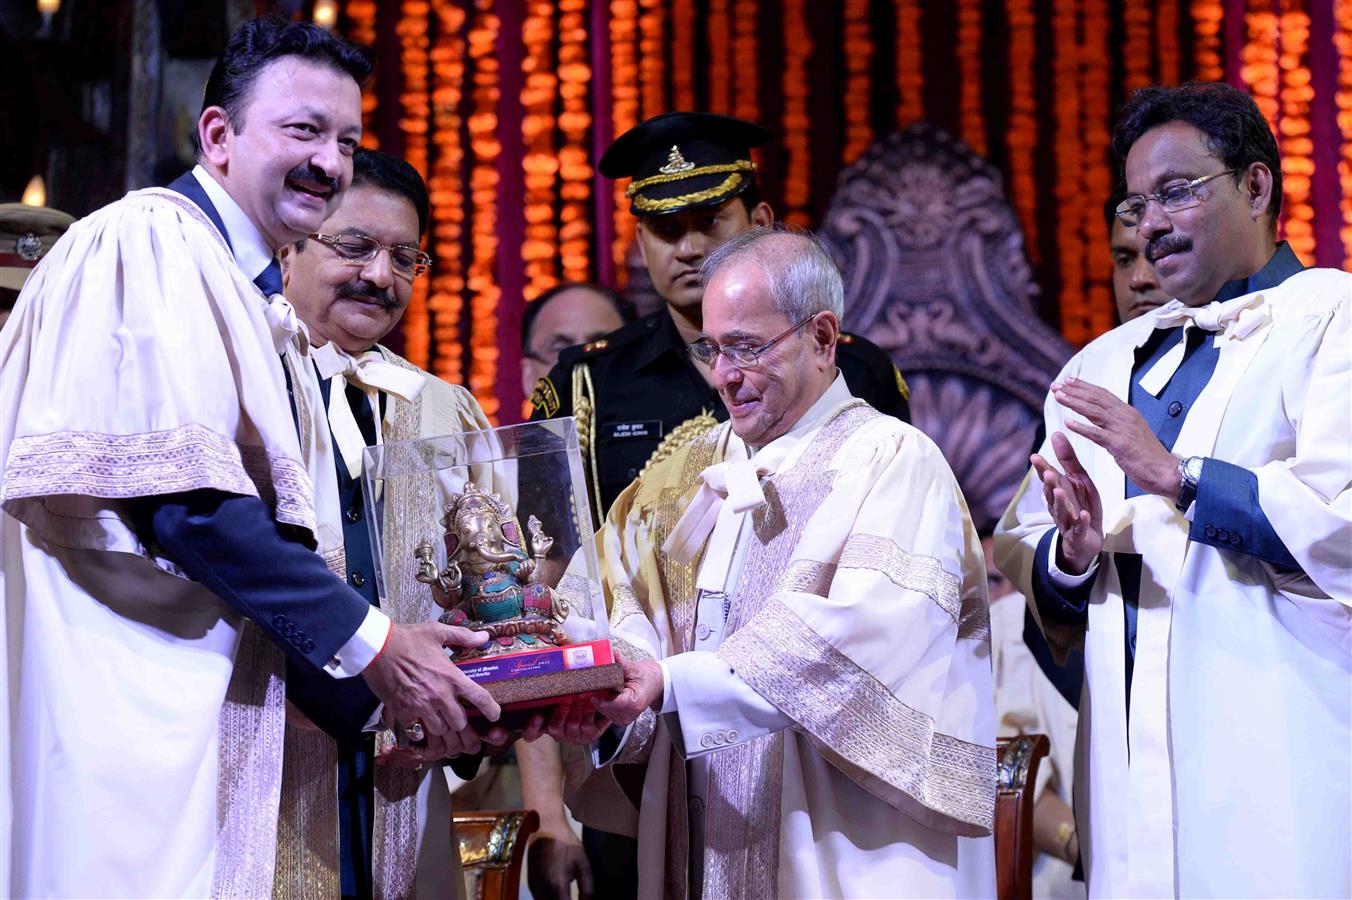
(694, 186)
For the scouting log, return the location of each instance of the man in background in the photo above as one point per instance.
(693, 187)
(1136, 288)
(569, 314)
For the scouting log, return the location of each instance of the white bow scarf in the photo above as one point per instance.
(735, 482)
(1234, 320)
(371, 373)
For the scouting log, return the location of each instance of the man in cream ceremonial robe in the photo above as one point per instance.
(350, 284)
(806, 646)
(1196, 538)
(159, 518)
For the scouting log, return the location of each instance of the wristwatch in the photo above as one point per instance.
(1189, 473)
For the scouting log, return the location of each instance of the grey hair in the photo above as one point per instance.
(802, 275)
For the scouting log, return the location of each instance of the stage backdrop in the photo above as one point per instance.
(505, 107)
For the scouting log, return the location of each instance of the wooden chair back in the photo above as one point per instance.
(1016, 765)
(492, 849)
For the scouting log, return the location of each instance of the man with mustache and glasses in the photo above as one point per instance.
(350, 282)
(160, 520)
(1194, 534)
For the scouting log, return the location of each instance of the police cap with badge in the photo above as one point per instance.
(684, 160)
(26, 234)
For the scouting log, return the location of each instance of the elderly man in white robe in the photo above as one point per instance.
(806, 646)
(1196, 538)
(159, 515)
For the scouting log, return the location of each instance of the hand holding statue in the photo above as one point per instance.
(418, 683)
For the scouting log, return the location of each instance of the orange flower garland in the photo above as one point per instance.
(1259, 58)
(652, 57)
(971, 120)
(1207, 16)
(1166, 42)
(909, 63)
(1095, 116)
(858, 58)
(415, 107)
(1069, 188)
(1293, 132)
(539, 93)
(624, 112)
(682, 65)
(446, 187)
(721, 60)
(575, 124)
(361, 16)
(1021, 133)
(1342, 39)
(797, 125)
(483, 183)
(745, 55)
(1137, 47)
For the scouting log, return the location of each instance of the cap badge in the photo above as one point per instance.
(28, 246)
(676, 162)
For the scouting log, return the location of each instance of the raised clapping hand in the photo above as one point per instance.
(418, 683)
(1073, 502)
(1072, 498)
(1120, 430)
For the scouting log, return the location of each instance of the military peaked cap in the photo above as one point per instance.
(684, 160)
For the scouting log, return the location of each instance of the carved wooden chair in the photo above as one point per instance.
(492, 849)
(1016, 765)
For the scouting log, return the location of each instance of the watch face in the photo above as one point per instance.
(1193, 468)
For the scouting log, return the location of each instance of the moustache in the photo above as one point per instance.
(365, 291)
(310, 174)
(1166, 244)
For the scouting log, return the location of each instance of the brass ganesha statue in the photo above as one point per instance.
(489, 582)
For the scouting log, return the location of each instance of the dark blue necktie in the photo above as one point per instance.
(269, 280)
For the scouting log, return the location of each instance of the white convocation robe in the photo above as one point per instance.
(143, 717)
(1239, 781)
(840, 719)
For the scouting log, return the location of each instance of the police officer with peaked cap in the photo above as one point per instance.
(26, 234)
(636, 392)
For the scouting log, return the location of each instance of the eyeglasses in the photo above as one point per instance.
(740, 355)
(408, 261)
(1172, 198)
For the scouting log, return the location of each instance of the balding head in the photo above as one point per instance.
(772, 285)
(802, 276)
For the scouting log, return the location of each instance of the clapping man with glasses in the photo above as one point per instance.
(350, 283)
(805, 632)
(1189, 522)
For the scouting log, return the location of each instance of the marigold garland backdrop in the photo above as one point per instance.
(505, 107)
